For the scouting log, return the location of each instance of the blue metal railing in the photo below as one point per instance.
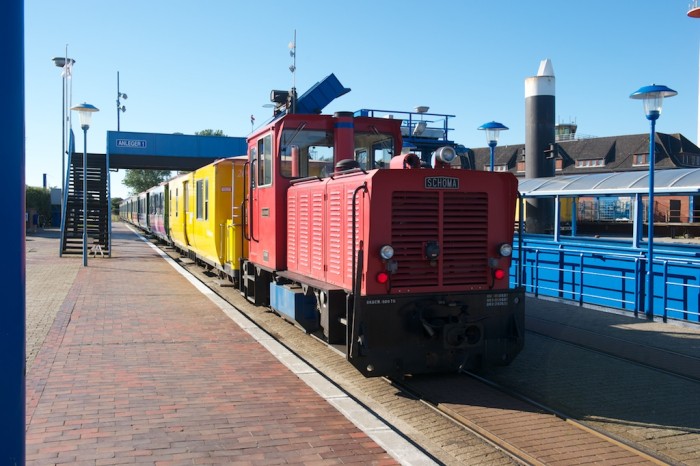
(683, 287)
(611, 275)
(436, 124)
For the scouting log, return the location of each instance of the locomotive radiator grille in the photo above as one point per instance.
(303, 208)
(465, 239)
(457, 221)
(292, 230)
(317, 234)
(335, 233)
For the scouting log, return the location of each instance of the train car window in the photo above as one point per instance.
(361, 158)
(253, 161)
(198, 199)
(306, 153)
(202, 199)
(206, 199)
(265, 161)
(186, 197)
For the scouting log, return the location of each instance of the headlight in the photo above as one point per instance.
(387, 252)
(445, 154)
(506, 249)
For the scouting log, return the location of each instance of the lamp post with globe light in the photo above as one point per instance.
(492, 128)
(85, 112)
(66, 64)
(653, 97)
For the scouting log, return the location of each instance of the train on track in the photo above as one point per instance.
(328, 222)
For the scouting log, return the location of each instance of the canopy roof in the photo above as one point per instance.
(673, 181)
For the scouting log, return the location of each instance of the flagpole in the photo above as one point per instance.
(63, 128)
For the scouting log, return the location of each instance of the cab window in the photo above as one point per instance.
(306, 153)
(265, 161)
(373, 150)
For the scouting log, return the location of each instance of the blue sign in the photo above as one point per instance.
(132, 143)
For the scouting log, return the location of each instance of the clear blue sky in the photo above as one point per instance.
(188, 66)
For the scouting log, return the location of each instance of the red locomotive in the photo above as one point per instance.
(404, 266)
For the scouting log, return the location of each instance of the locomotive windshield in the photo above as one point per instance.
(306, 153)
(373, 150)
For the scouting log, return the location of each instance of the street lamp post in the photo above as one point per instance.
(492, 128)
(120, 107)
(85, 112)
(653, 97)
(66, 64)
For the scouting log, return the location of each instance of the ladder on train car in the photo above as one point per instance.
(98, 208)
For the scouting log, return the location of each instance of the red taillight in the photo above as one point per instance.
(499, 274)
(382, 277)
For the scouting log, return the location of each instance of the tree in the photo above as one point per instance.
(210, 132)
(140, 180)
(116, 201)
(38, 200)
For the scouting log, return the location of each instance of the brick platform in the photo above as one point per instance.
(138, 367)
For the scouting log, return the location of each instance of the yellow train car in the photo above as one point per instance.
(566, 206)
(206, 215)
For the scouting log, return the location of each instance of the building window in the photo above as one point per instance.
(590, 163)
(640, 159)
(689, 160)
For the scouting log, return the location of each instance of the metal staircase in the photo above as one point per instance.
(98, 208)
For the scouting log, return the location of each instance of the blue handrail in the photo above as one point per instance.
(603, 275)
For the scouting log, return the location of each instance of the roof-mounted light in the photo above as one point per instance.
(445, 154)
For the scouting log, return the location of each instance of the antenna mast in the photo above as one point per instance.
(293, 68)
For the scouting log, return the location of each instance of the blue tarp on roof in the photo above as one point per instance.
(320, 94)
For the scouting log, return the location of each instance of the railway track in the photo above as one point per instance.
(460, 419)
(529, 432)
(634, 393)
